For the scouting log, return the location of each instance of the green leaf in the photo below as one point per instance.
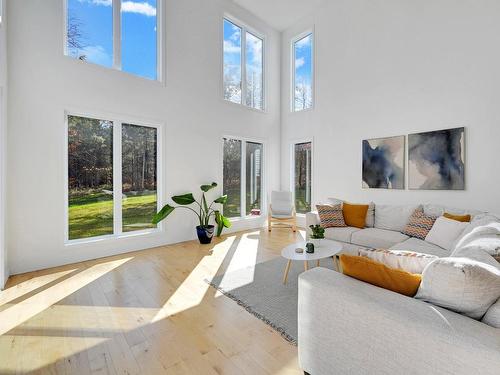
(162, 214)
(204, 202)
(184, 199)
(221, 200)
(218, 220)
(206, 188)
(226, 222)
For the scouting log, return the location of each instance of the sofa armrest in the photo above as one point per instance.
(312, 218)
(357, 328)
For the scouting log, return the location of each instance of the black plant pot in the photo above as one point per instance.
(205, 233)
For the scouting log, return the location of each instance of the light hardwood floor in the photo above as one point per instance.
(146, 312)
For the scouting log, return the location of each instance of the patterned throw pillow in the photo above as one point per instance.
(408, 261)
(331, 216)
(419, 224)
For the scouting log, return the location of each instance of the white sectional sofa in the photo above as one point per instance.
(385, 232)
(347, 326)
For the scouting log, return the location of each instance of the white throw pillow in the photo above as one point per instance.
(492, 316)
(408, 261)
(392, 217)
(445, 232)
(464, 285)
(483, 233)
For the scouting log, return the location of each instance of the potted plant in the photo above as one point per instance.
(204, 212)
(317, 234)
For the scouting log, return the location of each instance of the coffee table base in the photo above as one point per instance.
(306, 267)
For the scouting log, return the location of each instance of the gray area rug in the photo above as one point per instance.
(260, 290)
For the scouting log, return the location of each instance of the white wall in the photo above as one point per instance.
(394, 67)
(43, 83)
(4, 272)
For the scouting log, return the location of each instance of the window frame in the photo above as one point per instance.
(244, 29)
(117, 29)
(244, 140)
(118, 121)
(294, 40)
(292, 169)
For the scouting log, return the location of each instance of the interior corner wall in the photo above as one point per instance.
(44, 83)
(395, 67)
(4, 270)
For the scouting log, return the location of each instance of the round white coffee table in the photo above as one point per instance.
(326, 249)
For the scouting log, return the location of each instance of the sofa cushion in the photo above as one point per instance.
(419, 224)
(420, 246)
(379, 274)
(408, 261)
(464, 285)
(340, 234)
(482, 233)
(445, 232)
(331, 216)
(492, 316)
(462, 218)
(392, 217)
(370, 214)
(355, 214)
(350, 249)
(439, 210)
(377, 238)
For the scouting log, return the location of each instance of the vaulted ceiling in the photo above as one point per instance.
(280, 14)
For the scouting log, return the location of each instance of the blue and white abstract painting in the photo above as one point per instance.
(437, 160)
(383, 163)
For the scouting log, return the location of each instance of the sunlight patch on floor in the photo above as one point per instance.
(30, 285)
(192, 291)
(244, 260)
(24, 310)
(69, 318)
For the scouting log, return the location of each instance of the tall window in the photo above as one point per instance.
(242, 177)
(302, 176)
(101, 200)
(243, 66)
(114, 33)
(302, 70)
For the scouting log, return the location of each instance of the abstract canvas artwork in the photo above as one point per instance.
(384, 163)
(437, 160)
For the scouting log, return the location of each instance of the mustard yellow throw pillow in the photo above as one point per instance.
(355, 214)
(378, 274)
(462, 218)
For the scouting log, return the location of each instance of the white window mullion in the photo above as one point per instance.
(117, 177)
(117, 32)
(159, 40)
(243, 198)
(292, 88)
(243, 65)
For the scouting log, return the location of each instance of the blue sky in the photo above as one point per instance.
(232, 65)
(303, 73)
(138, 34)
(303, 60)
(232, 51)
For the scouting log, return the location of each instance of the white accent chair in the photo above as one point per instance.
(282, 210)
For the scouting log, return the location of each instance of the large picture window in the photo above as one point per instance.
(302, 73)
(243, 78)
(302, 172)
(120, 34)
(101, 200)
(242, 177)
